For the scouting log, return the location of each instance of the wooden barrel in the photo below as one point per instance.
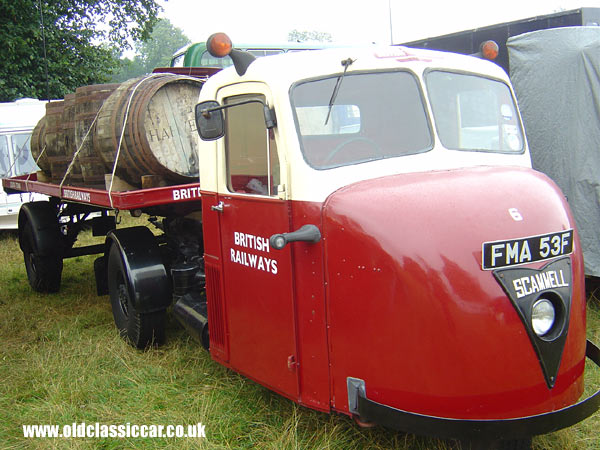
(159, 134)
(37, 147)
(88, 101)
(54, 140)
(53, 131)
(58, 167)
(68, 144)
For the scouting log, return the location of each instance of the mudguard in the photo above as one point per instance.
(147, 279)
(43, 219)
(442, 427)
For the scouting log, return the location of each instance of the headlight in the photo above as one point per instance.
(542, 316)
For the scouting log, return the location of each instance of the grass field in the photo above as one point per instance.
(62, 361)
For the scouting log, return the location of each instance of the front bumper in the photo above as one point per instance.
(443, 427)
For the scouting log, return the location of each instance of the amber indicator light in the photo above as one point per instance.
(489, 50)
(219, 45)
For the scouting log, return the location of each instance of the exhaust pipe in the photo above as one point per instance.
(190, 307)
(192, 315)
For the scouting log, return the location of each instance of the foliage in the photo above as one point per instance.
(154, 52)
(78, 44)
(303, 36)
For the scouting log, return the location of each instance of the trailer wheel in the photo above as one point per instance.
(140, 329)
(43, 271)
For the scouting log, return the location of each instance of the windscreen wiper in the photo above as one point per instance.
(346, 63)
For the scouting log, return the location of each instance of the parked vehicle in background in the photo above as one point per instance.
(197, 55)
(556, 77)
(469, 41)
(17, 120)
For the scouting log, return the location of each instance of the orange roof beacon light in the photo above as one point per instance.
(219, 45)
(489, 50)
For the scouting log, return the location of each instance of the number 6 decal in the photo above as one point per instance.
(515, 214)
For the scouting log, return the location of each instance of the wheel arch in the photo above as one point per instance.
(44, 221)
(147, 279)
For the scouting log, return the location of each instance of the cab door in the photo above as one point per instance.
(257, 280)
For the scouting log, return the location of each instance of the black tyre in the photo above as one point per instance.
(516, 444)
(141, 330)
(484, 444)
(43, 271)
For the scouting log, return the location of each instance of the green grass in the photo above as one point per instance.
(61, 361)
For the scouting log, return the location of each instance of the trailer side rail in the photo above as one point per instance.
(122, 200)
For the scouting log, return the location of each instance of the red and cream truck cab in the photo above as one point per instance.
(367, 237)
(380, 246)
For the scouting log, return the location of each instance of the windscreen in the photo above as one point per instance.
(207, 60)
(4, 158)
(360, 117)
(15, 155)
(25, 162)
(474, 113)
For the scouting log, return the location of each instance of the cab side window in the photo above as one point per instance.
(251, 152)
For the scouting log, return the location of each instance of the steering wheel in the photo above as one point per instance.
(374, 145)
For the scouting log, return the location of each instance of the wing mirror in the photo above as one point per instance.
(209, 120)
(211, 125)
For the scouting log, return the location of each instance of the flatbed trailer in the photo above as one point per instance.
(105, 199)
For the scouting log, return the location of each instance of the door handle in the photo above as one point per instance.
(306, 233)
(218, 207)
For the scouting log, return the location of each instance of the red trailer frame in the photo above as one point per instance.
(119, 200)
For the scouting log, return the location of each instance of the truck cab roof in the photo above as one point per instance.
(288, 68)
(301, 88)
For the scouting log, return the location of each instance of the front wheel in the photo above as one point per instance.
(140, 329)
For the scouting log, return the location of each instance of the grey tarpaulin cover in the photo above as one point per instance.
(556, 76)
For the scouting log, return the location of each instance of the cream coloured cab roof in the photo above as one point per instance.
(288, 68)
(281, 72)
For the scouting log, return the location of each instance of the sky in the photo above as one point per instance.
(349, 21)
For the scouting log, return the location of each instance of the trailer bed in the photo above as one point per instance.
(121, 200)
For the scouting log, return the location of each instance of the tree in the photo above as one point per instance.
(303, 36)
(78, 44)
(153, 52)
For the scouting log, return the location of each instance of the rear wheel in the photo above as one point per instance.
(43, 271)
(140, 329)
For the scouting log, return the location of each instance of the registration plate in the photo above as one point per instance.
(526, 250)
